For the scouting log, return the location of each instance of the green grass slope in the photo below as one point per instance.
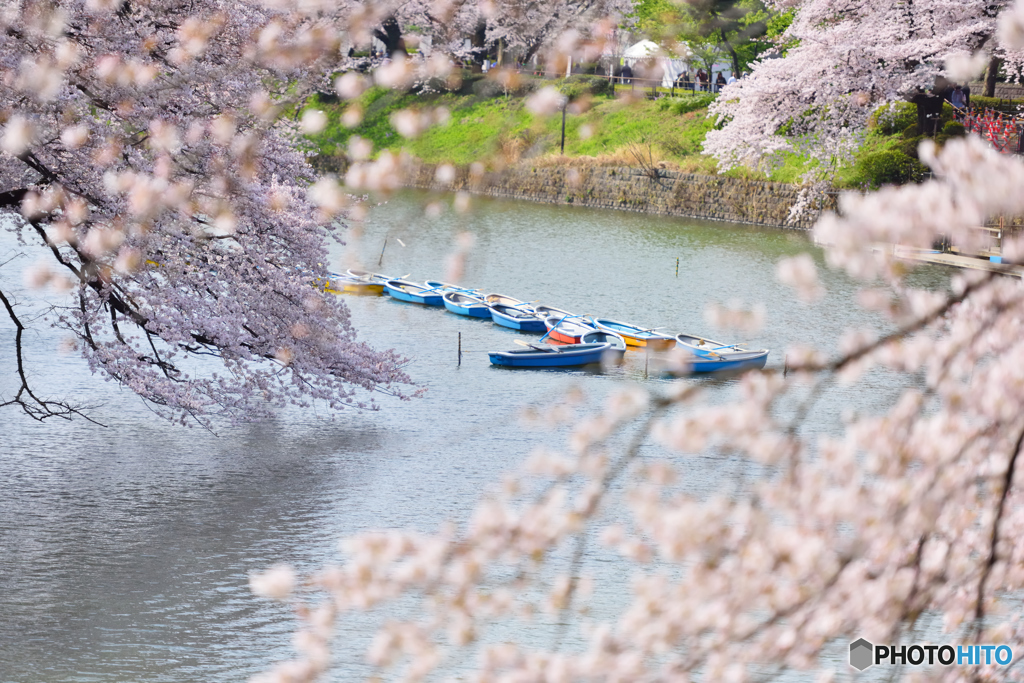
(488, 126)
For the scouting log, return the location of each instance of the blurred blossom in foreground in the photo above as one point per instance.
(800, 273)
(545, 101)
(277, 582)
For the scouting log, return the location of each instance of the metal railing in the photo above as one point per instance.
(651, 88)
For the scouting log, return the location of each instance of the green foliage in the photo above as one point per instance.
(475, 132)
(893, 117)
(1009, 106)
(734, 29)
(577, 85)
(911, 132)
(656, 18)
(954, 129)
(947, 114)
(778, 23)
(890, 167)
(499, 129)
(909, 146)
(684, 104)
(777, 26)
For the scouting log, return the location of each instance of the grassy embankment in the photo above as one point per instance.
(497, 129)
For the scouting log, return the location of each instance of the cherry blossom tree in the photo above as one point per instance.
(182, 232)
(845, 61)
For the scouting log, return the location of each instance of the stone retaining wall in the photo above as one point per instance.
(632, 189)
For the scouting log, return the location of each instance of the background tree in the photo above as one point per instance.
(736, 29)
(843, 63)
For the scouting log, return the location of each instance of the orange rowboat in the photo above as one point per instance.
(567, 329)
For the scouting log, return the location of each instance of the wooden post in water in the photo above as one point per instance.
(460, 349)
(647, 357)
(381, 259)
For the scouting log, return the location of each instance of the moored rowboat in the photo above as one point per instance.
(520, 318)
(413, 292)
(551, 310)
(741, 360)
(338, 283)
(465, 303)
(616, 345)
(634, 335)
(448, 287)
(547, 356)
(708, 348)
(566, 329)
(507, 301)
(367, 275)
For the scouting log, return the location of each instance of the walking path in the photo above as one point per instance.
(957, 261)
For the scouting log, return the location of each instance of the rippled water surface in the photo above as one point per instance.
(124, 550)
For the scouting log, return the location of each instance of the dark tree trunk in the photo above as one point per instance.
(390, 33)
(929, 110)
(479, 43)
(990, 76)
(735, 59)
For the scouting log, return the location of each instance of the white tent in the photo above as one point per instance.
(645, 49)
(649, 51)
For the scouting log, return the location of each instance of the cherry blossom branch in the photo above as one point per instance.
(908, 329)
(32, 405)
(990, 562)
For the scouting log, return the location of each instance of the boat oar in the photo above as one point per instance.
(553, 328)
(536, 347)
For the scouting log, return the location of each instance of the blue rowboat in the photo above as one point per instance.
(741, 360)
(507, 301)
(448, 287)
(520, 318)
(551, 310)
(548, 356)
(465, 303)
(636, 335)
(415, 293)
(616, 345)
(708, 348)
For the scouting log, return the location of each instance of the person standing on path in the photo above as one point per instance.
(959, 101)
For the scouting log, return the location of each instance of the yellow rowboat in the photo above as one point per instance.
(635, 335)
(347, 284)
